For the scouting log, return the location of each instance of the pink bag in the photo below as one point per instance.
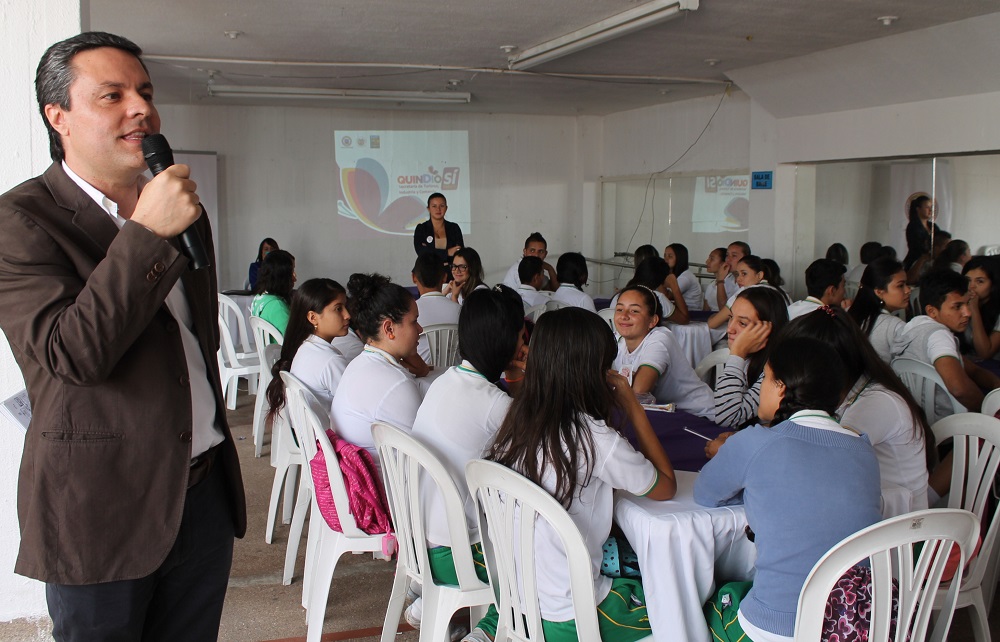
(364, 490)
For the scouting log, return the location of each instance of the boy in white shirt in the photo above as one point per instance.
(433, 307)
(531, 273)
(725, 279)
(534, 245)
(930, 338)
(825, 285)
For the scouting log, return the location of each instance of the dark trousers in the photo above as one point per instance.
(181, 600)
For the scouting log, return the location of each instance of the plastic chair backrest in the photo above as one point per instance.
(991, 403)
(508, 505)
(534, 312)
(442, 339)
(406, 465)
(915, 302)
(553, 304)
(309, 422)
(989, 250)
(229, 308)
(923, 381)
(608, 314)
(706, 368)
(851, 289)
(889, 545)
(230, 358)
(976, 459)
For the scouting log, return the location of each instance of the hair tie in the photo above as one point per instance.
(829, 311)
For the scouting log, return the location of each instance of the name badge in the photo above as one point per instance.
(430, 239)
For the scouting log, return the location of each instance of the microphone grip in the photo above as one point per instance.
(194, 248)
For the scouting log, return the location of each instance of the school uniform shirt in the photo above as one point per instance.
(319, 366)
(665, 303)
(677, 382)
(350, 345)
(873, 410)
(457, 420)
(885, 335)
(762, 284)
(803, 307)
(570, 295)
(530, 296)
(512, 280)
(461, 297)
(374, 387)
(616, 465)
(711, 291)
(434, 308)
(926, 340)
(690, 290)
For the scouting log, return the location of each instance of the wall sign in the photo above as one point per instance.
(761, 180)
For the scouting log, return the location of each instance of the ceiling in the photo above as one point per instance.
(421, 45)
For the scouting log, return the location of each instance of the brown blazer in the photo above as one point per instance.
(104, 473)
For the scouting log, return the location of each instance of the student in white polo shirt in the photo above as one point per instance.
(433, 307)
(572, 271)
(534, 245)
(531, 272)
(825, 285)
(377, 386)
(461, 412)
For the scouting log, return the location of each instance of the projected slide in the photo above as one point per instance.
(721, 204)
(385, 178)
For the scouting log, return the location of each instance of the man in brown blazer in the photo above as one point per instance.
(130, 492)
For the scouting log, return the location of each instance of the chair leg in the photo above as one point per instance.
(258, 424)
(395, 608)
(302, 504)
(319, 593)
(316, 524)
(231, 389)
(290, 478)
(272, 506)
(979, 615)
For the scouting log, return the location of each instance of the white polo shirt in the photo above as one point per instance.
(803, 307)
(374, 387)
(530, 296)
(570, 295)
(350, 345)
(457, 420)
(319, 366)
(677, 382)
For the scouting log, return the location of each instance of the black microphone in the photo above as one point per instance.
(156, 151)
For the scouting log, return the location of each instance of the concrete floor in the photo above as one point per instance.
(259, 608)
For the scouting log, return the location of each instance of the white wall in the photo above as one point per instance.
(276, 179)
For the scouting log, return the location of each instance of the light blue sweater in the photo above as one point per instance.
(804, 489)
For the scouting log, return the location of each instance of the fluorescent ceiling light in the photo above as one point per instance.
(346, 95)
(635, 19)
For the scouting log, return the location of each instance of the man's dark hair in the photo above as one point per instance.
(869, 251)
(535, 237)
(936, 285)
(528, 269)
(429, 270)
(822, 274)
(55, 74)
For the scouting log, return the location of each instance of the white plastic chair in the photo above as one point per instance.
(508, 506)
(552, 304)
(286, 456)
(976, 457)
(406, 466)
(851, 289)
(923, 381)
(534, 312)
(442, 339)
(267, 354)
(297, 394)
(232, 366)
(989, 250)
(889, 547)
(608, 314)
(236, 320)
(991, 403)
(707, 367)
(325, 546)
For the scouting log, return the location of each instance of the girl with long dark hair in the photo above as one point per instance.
(275, 282)
(806, 481)
(571, 270)
(983, 334)
(713, 264)
(677, 258)
(561, 433)
(266, 247)
(318, 315)
(883, 290)
(466, 274)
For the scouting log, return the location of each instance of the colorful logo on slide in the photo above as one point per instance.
(366, 193)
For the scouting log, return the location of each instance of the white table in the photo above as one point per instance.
(694, 338)
(682, 549)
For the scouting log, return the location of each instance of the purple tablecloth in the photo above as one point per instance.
(700, 315)
(990, 364)
(686, 451)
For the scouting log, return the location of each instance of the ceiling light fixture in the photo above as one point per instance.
(626, 22)
(887, 20)
(341, 95)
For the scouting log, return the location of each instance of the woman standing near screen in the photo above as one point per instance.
(436, 235)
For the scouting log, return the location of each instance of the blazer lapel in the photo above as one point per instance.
(88, 216)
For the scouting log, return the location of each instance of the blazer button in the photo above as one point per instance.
(184, 380)
(185, 437)
(159, 267)
(152, 277)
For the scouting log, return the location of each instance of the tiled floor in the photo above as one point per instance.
(259, 608)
